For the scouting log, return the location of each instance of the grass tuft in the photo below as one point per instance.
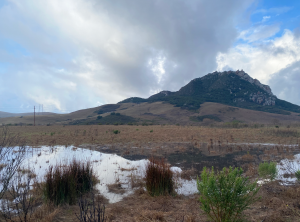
(159, 178)
(65, 184)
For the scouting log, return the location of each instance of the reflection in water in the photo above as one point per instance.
(109, 168)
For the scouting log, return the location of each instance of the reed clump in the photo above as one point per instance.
(63, 184)
(159, 177)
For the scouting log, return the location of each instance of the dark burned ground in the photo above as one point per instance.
(187, 156)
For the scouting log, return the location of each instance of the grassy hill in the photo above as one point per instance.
(159, 113)
(226, 88)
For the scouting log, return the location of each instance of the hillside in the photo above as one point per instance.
(234, 88)
(5, 114)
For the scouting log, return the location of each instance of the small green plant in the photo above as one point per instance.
(159, 178)
(267, 170)
(137, 129)
(225, 195)
(52, 133)
(151, 131)
(116, 131)
(297, 174)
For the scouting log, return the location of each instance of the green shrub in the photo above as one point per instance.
(297, 174)
(116, 131)
(226, 194)
(65, 184)
(151, 131)
(159, 178)
(267, 170)
(99, 117)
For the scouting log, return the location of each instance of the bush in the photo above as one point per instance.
(99, 117)
(225, 195)
(65, 184)
(159, 178)
(116, 131)
(297, 174)
(267, 170)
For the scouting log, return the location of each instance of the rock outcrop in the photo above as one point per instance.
(248, 78)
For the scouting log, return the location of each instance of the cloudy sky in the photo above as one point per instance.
(75, 54)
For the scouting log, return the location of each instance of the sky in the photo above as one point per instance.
(76, 54)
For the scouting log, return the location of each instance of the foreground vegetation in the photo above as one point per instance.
(225, 195)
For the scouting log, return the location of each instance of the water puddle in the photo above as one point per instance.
(109, 168)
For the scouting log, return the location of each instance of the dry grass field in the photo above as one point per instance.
(141, 135)
(189, 147)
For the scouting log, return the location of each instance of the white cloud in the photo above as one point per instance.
(276, 11)
(259, 33)
(263, 60)
(265, 18)
(286, 83)
(82, 53)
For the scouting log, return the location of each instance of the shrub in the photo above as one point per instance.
(159, 178)
(65, 184)
(99, 117)
(91, 212)
(151, 131)
(267, 170)
(116, 131)
(297, 174)
(226, 194)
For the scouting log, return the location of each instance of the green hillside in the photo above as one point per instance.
(231, 88)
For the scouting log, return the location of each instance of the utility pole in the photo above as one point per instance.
(34, 115)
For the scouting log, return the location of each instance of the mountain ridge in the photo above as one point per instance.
(234, 88)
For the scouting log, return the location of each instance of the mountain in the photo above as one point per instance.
(234, 88)
(217, 98)
(5, 114)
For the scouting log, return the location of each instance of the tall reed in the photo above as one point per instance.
(159, 177)
(65, 184)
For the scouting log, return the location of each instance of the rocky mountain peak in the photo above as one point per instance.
(256, 82)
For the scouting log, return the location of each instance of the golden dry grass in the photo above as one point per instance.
(141, 135)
